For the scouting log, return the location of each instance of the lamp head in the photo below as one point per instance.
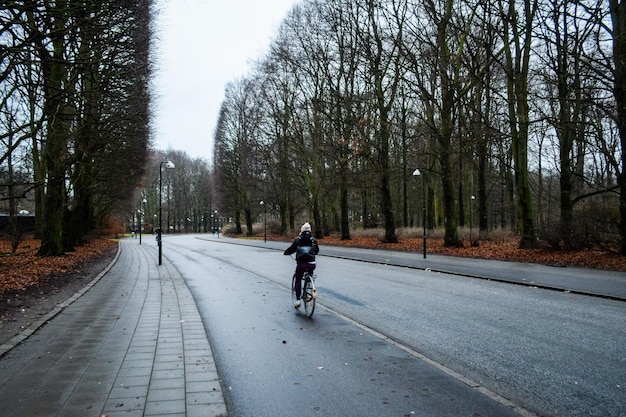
(417, 172)
(169, 165)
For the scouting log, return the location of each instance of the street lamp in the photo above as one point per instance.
(262, 203)
(139, 222)
(264, 176)
(415, 174)
(141, 214)
(168, 165)
(217, 220)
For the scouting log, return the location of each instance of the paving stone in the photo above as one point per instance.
(132, 345)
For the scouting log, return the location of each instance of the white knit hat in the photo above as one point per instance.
(306, 227)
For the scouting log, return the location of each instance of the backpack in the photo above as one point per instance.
(304, 251)
(305, 254)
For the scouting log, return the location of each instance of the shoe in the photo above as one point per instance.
(297, 305)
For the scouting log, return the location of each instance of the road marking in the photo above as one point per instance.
(485, 391)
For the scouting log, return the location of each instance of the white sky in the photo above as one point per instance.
(201, 45)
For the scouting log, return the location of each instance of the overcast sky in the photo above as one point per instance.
(200, 46)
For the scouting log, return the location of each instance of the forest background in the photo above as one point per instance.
(497, 118)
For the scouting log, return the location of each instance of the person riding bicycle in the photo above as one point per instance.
(305, 247)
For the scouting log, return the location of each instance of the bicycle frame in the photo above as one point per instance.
(309, 276)
(308, 291)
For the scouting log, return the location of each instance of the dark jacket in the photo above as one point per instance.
(305, 247)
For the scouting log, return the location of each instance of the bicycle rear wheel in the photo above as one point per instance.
(308, 295)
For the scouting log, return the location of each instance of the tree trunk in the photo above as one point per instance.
(317, 220)
(238, 228)
(284, 176)
(55, 75)
(482, 189)
(384, 70)
(248, 214)
(344, 207)
(517, 68)
(444, 136)
(618, 16)
(451, 238)
(386, 203)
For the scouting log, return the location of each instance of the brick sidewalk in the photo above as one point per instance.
(131, 343)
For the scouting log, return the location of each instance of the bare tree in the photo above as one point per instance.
(379, 41)
(518, 37)
(356, 89)
(441, 81)
(237, 161)
(569, 31)
(279, 98)
(618, 17)
(94, 112)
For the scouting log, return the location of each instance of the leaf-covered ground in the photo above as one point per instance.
(25, 269)
(504, 251)
(31, 287)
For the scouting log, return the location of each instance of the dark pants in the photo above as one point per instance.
(300, 268)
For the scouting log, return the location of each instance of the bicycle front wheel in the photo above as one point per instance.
(308, 296)
(293, 290)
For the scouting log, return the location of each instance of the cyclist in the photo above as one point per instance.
(305, 247)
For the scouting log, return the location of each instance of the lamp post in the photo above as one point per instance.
(217, 222)
(168, 165)
(417, 173)
(264, 176)
(141, 215)
(139, 221)
(262, 203)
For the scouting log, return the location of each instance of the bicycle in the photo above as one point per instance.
(309, 292)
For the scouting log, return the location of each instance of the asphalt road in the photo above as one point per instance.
(395, 341)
